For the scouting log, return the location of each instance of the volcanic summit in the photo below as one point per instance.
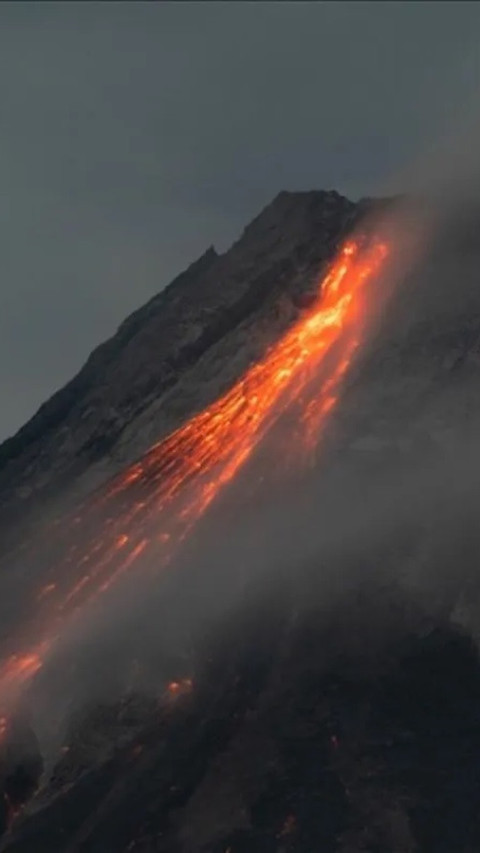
(239, 562)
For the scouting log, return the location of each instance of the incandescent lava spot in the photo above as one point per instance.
(177, 689)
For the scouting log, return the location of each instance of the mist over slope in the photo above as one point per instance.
(307, 678)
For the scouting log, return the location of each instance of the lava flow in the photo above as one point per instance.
(153, 505)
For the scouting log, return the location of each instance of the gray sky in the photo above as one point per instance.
(134, 135)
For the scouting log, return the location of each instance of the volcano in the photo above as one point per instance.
(271, 467)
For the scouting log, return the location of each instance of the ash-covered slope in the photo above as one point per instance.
(318, 721)
(188, 342)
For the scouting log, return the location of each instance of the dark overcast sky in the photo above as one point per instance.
(134, 135)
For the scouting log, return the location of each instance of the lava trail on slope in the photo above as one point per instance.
(150, 508)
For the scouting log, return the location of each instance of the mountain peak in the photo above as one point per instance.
(158, 347)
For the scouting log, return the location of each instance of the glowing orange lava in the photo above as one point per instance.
(153, 505)
(179, 688)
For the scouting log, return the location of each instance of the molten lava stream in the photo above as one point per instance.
(153, 505)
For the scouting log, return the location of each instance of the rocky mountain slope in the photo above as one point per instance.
(344, 722)
(175, 353)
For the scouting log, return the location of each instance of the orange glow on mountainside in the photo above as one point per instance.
(152, 506)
